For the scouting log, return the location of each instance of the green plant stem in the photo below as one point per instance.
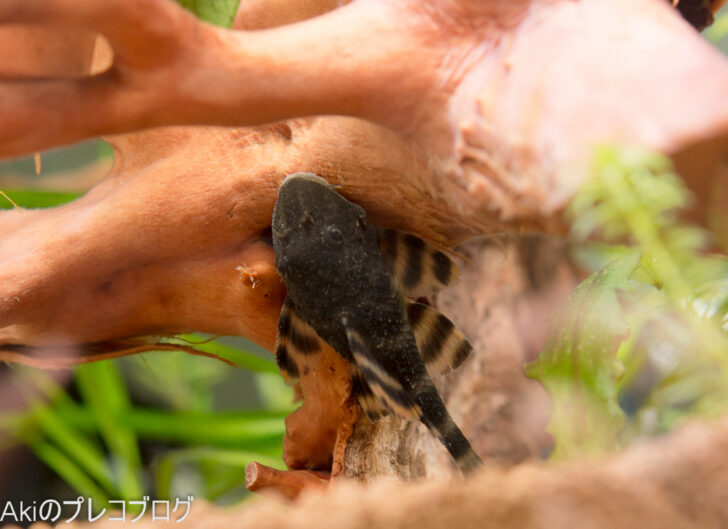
(104, 391)
(75, 444)
(70, 472)
(219, 428)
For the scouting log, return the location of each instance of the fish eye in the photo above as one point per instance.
(334, 233)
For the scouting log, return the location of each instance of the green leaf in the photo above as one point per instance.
(218, 12)
(578, 365)
(36, 199)
(72, 442)
(222, 428)
(181, 380)
(103, 389)
(70, 473)
(235, 428)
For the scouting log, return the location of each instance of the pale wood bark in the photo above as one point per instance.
(679, 481)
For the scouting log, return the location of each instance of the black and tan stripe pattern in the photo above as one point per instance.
(295, 340)
(444, 428)
(383, 386)
(350, 287)
(286, 365)
(372, 407)
(418, 268)
(442, 346)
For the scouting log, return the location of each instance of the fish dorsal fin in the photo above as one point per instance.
(417, 267)
(383, 386)
(296, 339)
(442, 346)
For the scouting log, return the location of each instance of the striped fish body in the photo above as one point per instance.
(332, 270)
(342, 290)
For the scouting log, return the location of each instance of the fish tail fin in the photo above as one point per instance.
(442, 425)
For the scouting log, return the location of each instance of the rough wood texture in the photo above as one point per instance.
(262, 479)
(678, 481)
(482, 127)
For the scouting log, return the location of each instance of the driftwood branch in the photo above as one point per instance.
(456, 119)
(262, 479)
(483, 126)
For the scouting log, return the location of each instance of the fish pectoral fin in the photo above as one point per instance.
(442, 346)
(418, 268)
(295, 341)
(387, 391)
(372, 407)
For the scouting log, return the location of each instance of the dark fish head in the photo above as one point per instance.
(313, 225)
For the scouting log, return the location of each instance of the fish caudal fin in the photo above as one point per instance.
(441, 424)
(382, 393)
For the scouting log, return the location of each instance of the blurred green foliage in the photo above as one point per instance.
(94, 442)
(645, 336)
(578, 365)
(60, 160)
(34, 198)
(718, 31)
(218, 12)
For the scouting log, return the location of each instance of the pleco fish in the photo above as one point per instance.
(347, 283)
